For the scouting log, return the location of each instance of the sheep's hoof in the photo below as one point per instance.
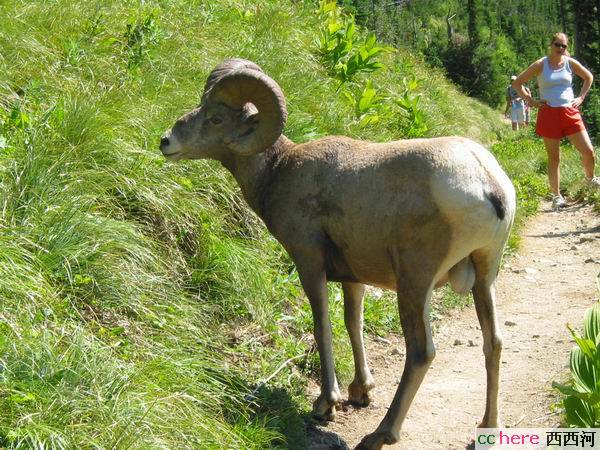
(376, 440)
(359, 393)
(490, 424)
(325, 406)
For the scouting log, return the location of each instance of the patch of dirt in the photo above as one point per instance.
(550, 283)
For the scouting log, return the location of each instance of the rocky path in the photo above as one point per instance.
(548, 284)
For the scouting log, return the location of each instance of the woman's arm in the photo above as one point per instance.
(532, 71)
(587, 78)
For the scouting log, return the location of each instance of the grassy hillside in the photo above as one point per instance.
(140, 301)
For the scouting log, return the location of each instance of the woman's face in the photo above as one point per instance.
(559, 45)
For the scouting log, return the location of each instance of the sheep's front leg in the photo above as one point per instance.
(311, 270)
(414, 317)
(359, 389)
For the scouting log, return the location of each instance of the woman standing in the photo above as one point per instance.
(558, 114)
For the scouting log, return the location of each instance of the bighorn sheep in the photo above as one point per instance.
(406, 215)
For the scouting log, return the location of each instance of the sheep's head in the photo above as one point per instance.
(242, 112)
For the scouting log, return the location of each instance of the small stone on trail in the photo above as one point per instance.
(574, 248)
(585, 239)
(544, 261)
(592, 260)
(397, 351)
(535, 336)
(471, 343)
(458, 342)
(508, 323)
(382, 340)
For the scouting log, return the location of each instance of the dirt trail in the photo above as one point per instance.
(549, 284)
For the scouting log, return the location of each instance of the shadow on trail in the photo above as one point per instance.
(577, 232)
(321, 439)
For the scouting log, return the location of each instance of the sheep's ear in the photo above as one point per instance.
(243, 135)
(249, 113)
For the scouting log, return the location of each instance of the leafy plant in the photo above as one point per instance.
(337, 36)
(414, 123)
(344, 58)
(362, 60)
(582, 394)
(368, 105)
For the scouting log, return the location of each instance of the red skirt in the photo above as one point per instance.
(556, 123)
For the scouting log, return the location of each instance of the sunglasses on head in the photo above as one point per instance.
(557, 45)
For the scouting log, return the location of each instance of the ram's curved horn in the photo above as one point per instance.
(226, 67)
(242, 86)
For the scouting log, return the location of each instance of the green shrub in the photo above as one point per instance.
(341, 54)
(582, 395)
(413, 123)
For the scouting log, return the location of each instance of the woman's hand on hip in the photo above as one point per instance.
(576, 102)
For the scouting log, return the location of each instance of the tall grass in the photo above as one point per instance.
(141, 301)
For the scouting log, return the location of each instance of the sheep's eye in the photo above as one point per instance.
(215, 120)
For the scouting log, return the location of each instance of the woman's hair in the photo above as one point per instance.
(556, 36)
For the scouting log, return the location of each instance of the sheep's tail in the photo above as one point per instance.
(462, 276)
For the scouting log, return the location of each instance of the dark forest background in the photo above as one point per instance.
(480, 43)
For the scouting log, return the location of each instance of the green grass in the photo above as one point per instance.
(141, 301)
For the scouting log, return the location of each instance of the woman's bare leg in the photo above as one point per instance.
(581, 141)
(553, 150)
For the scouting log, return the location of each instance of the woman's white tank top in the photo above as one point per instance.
(556, 85)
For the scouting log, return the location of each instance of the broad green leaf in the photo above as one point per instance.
(333, 27)
(412, 85)
(366, 100)
(564, 389)
(591, 323)
(369, 120)
(375, 51)
(374, 66)
(592, 398)
(587, 346)
(583, 371)
(370, 42)
(364, 54)
(348, 96)
(579, 413)
(329, 7)
(351, 28)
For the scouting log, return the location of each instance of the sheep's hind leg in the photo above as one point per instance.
(414, 316)
(312, 276)
(484, 296)
(359, 389)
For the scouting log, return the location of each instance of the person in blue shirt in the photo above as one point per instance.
(516, 104)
